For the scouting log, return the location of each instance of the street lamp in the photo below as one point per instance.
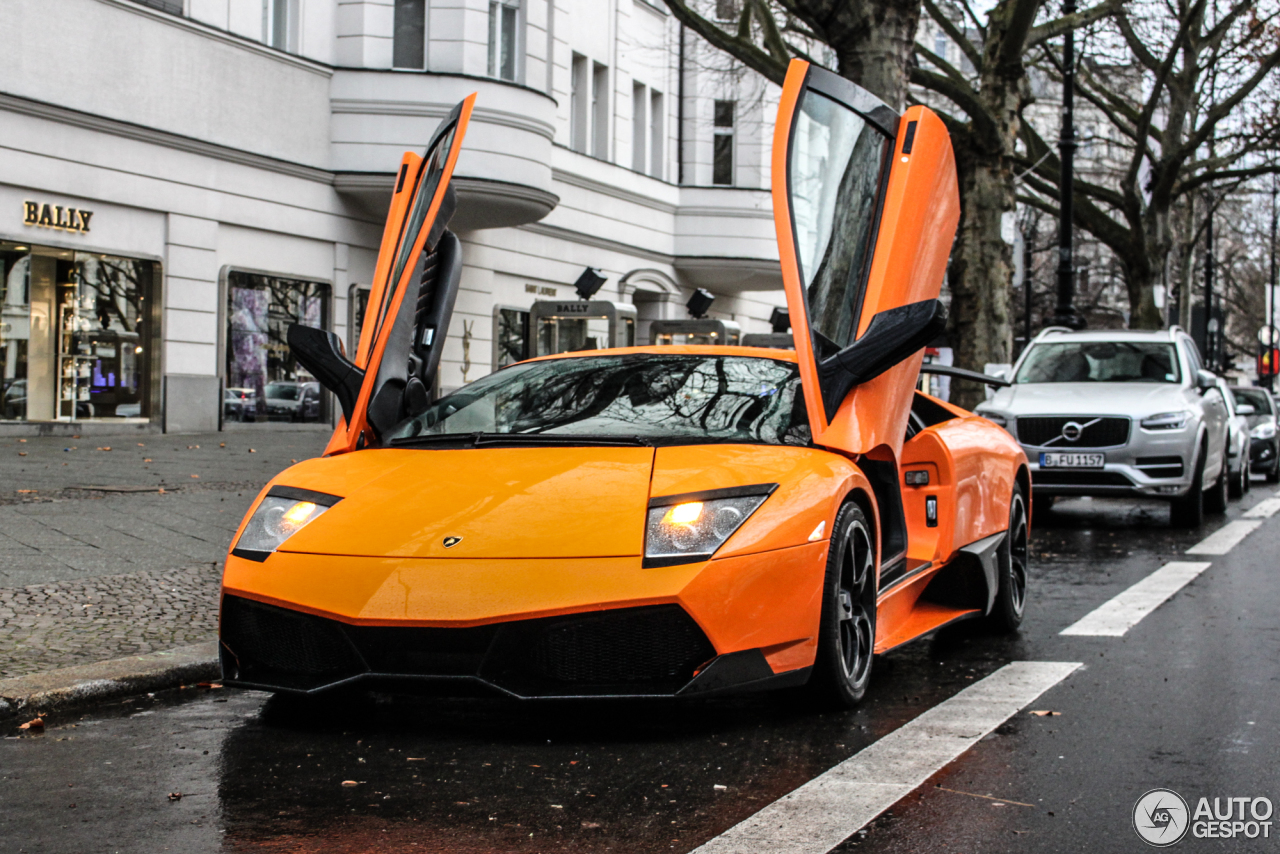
(1064, 313)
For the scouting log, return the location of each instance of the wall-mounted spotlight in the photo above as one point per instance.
(700, 303)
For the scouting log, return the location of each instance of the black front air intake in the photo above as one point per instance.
(652, 650)
(276, 646)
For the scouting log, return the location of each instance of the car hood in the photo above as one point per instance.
(498, 502)
(1136, 400)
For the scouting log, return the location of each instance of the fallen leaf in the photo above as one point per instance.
(208, 685)
(28, 490)
(195, 475)
(22, 453)
(193, 447)
(349, 783)
(106, 448)
(76, 436)
(35, 724)
(23, 441)
(175, 796)
(146, 459)
(252, 451)
(142, 445)
(591, 824)
(222, 444)
(1046, 713)
(557, 806)
(160, 490)
(293, 461)
(416, 758)
(719, 788)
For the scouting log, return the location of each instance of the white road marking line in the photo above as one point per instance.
(831, 807)
(1264, 509)
(1225, 538)
(1117, 616)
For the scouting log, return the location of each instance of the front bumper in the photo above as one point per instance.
(522, 627)
(653, 651)
(1153, 464)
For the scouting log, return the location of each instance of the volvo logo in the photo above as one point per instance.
(450, 542)
(1072, 431)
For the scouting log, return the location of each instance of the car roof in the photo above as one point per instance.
(682, 350)
(1116, 335)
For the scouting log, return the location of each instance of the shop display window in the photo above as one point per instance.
(76, 331)
(264, 382)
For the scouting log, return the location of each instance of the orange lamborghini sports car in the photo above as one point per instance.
(647, 521)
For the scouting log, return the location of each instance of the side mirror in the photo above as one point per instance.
(892, 336)
(321, 353)
(1245, 409)
(1205, 380)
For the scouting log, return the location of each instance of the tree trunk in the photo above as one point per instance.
(980, 272)
(873, 41)
(1142, 274)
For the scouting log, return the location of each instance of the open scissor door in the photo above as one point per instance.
(410, 302)
(866, 207)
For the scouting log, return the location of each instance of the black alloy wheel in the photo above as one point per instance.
(847, 633)
(1013, 564)
(1217, 496)
(1187, 510)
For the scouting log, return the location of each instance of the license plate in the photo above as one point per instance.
(1072, 461)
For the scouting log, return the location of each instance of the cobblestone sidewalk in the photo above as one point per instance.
(59, 624)
(88, 575)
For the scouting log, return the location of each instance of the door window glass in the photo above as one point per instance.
(15, 331)
(835, 179)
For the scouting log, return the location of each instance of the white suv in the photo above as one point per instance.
(1119, 413)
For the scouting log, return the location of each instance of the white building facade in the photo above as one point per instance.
(180, 179)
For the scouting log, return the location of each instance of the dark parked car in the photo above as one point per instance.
(1264, 438)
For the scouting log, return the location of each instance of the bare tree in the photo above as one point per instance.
(985, 122)
(1203, 110)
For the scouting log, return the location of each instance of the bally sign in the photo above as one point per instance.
(56, 216)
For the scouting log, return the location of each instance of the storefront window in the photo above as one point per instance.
(263, 380)
(75, 335)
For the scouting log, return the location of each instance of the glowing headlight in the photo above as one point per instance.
(1265, 430)
(689, 528)
(283, 513)
(1167, 421)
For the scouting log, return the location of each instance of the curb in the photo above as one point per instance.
(65, 688)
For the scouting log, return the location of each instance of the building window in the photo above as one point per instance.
(504, 38)
(600, 111)
(280, 24)
(263, 380)
(579, 88)
(76, 335)
(639, 125)
(722, 153)
(510, 336)
(728, 10)
(940, 44)
(410, 37)
(657, 143)
(173, 7)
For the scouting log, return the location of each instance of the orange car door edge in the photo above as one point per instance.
(393, 295)
(792, 88)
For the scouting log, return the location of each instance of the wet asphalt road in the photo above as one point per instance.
(1187, 700)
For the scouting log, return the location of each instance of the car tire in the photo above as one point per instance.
(1013, 565)
(1216, 497)
(1236, 484)
(847, 630)
(1187, 510)
(1038, 506)
(1273, 475)
(1246, 482)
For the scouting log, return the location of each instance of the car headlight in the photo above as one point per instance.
(283, 513)
(1265, 430)
(691, 527)
(1167, 420)
(997, 418)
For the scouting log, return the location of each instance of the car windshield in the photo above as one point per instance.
(282, 391)
(1255, 397)
(1100, 362)
(674, 399)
